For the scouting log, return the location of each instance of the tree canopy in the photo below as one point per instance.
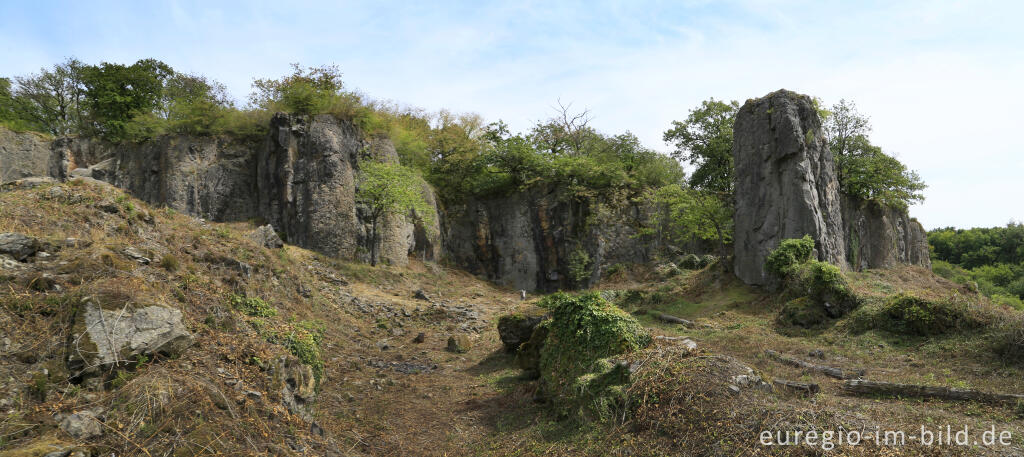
(704, 139)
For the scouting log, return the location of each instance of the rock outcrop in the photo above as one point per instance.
(881, 237)
(23, 155)
(786, 184)
(536, 239)
(786, 187)
(306, 184)
(102, 338)
(302, 180)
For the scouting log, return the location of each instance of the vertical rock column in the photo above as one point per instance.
(786, 184)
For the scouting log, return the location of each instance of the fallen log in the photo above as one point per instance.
(833, 372)
(865, 387)
(803, 388)
(674, 320)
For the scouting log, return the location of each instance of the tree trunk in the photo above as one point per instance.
(890, 389)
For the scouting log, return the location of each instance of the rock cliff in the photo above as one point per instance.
(23, 155)
(786, 184)
(786, 187)
(538, 239)
(302, 179)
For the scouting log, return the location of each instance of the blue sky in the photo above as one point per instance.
(941, 81)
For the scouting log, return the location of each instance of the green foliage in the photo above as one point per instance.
(992, 257)
(705, 140)
(579, 264)
(388, 188)
(865, 172)
(117, 93)
(252, 306)
(304, 343)
(910, 315)
(803, 312)
(821, 288)
(687, 214)
(308, 91)
(583, 331)
(790, 253)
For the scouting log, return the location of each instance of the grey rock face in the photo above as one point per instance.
(306, 182)
(526, 240)
(101, 338)
(882, 237)
(266, 236)
(18, 246)
(786, 185)
(23, 155)
(298, 386)
(82, 425)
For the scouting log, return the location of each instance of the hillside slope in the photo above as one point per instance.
(282, 351)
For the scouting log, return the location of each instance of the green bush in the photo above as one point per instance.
(579, 266)
(803, 312)
(690, 262)
(905, 314)
(584, 330)
(305, 345)
(790, 252)
(252, 306)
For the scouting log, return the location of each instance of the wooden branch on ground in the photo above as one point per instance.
(674, 320)
(802, 388)
(865, 387)
(833, 372)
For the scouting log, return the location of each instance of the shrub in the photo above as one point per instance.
(1009, 339)
(584, 330)
(690, 262)
(803, 312)
(579, 266)
(252, 306)
(169, 262)
(305, 345)
(911, 315)
(790, 252)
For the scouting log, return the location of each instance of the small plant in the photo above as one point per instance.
(579, 266)
(305, 345)
(252, 306)
(169, 262)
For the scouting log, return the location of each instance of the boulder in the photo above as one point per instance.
(266, 236)
(102, 338)
(516, 329)
(298, 385)
(786, 185)
(83, 425)
(19, 246)
(459, 344)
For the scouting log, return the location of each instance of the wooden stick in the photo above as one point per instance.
(865, 387)
(674, 320)
(797, 387)
(833, 372)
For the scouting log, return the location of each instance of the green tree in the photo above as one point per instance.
(688, 214)
(389, 188)
(117, 93)
(51, 100)
(863, 170)
(705, 140)
(305, 91)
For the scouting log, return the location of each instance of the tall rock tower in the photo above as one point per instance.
(786, 184)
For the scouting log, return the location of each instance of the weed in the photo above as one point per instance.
(252, 306)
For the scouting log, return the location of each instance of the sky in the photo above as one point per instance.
(942, 81)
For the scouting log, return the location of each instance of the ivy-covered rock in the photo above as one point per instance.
(583, 332)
